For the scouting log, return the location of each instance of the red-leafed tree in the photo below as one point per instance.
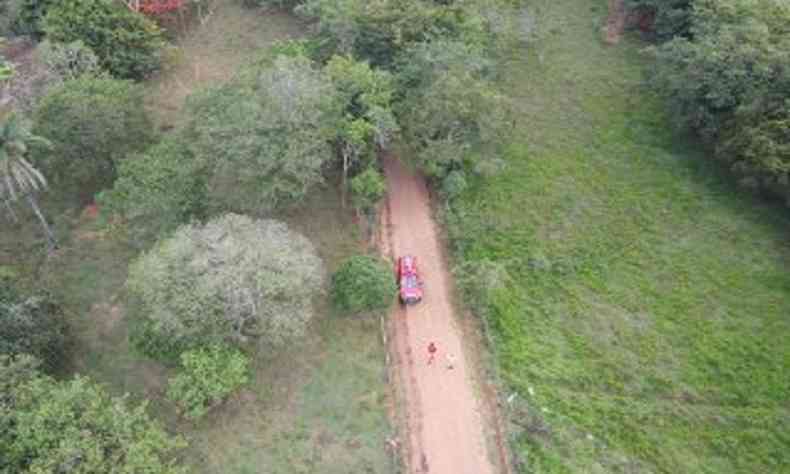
(158, 7)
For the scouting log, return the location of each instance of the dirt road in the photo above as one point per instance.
(443, 422)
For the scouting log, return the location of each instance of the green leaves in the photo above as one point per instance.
(158, 190)
(75, 426)
(363, 283)
(127, 43)
(93, 123)
(208, 376)
(450, 109)
(266, 136)
(234, 279)
(367, 189)
(33, 325)
(729, 82)
(18, 176)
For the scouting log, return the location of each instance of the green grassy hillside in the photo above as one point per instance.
(645, 322)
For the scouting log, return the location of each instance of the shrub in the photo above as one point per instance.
(93, 123)
(367, 189)
(29, 16)
(66, 61)
(208, 376)
(454, 184)
(758, 145)
(157, 191)
(32, 325)
(127, 43)
(363, 283)
(75, 426)
(234, 280)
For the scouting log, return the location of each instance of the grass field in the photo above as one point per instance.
(644, 324)
(322, 406)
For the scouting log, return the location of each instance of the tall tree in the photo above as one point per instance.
(366, 95)
(18, 177)
(266, 136)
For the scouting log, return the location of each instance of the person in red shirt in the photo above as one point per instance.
(431, 352)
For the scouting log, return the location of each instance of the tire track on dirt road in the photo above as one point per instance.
(443, 426)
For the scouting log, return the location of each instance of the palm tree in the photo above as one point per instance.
(19, 178)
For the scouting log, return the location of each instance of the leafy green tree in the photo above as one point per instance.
(33, 325)
(363, 283)
(376, 31)
(234, 280)
(29, 16)
(157, 190)
(379, 32)
(366, 95)
(367, 190)
(106, 121)
(208, 376)
(738, 47)
(267, 136)
(671, 17)
(18, 177)
(75, 426)
(730, 83)
(127, 43)
(452, 115)
(758, 145)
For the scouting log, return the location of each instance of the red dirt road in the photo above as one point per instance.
(443, 432)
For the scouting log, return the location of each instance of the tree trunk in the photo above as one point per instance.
(11, 212)
(53, 243)
(345, 177)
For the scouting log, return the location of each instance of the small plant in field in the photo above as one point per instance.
(363, 283)
(209, 375)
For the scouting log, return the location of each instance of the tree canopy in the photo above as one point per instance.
(127, 43)
(75, 426)
(729, 81)
(363, 283)
(233, 279)
(451, 111)
(93, 123)
(157, 191)
(266, 135)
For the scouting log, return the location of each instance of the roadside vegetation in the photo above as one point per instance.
(637, 298)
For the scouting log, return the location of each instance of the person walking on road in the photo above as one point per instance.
(450, 361)
(431, 352)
